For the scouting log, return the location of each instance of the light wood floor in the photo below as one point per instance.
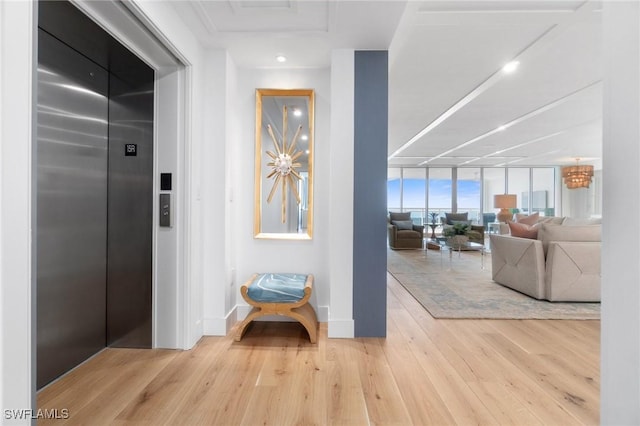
(426, 371)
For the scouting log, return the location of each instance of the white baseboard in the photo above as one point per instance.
(341, 329)
(197, 334)
(220, 326)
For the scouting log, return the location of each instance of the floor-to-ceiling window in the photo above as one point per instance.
(493, 183)
(394, 189)
(414, 184)
(543, 184)
(440, 190)
(518, 183)
(468, 190)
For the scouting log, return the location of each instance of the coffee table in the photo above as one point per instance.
(468, 246)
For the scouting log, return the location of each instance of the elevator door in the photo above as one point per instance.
(95, 195)
(71, 230)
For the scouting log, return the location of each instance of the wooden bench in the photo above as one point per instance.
(298, 309)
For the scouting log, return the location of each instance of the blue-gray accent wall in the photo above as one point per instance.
(370, 194)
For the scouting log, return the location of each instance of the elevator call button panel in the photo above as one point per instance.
(165, 210)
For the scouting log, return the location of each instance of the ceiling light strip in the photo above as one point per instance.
(518, 120)
(494, 155)
(467, 99)
(501, 151)
(506, 163)
(483, 87)
(539, 44)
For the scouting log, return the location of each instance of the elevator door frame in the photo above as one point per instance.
(171, 257)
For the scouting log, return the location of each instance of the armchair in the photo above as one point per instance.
(453, 218)
(402, 233)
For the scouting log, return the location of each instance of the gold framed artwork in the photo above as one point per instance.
(284, 164)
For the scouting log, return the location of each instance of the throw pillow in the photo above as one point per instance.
(527, 220)
(522, 230)
(462, 222)
(449, 217)
(403, 225)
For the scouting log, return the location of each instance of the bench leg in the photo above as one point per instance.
(255, 313)
(305, 315)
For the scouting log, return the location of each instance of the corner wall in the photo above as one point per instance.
(17, 62)
(620, 325)
(341, 323)
(218, 277)
(371, 117)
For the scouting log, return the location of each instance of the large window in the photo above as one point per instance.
(440, 190)
(493, 184)
(473, 189)
(518, 183)
(413, 193)
(543, 190)
(468, 193)
(394, 189)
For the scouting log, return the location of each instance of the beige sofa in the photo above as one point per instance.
(562, 264)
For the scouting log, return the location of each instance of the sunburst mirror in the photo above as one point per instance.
(284, 164)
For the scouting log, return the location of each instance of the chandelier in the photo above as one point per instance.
(577, 176)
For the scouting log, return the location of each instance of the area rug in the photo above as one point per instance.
(460, 288)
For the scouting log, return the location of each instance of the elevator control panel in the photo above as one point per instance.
(165, 210)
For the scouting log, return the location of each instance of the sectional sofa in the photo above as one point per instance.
(552, 261)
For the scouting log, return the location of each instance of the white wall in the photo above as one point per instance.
(17, 32)
(341, 322)
(260, 255)
(218, 236)
(620, 361)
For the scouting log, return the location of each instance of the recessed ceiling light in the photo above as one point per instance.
(281, 58)
(307, 151)
(304, 137)
(511, 66)
(297, 112)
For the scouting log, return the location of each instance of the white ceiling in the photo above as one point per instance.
(447, 92)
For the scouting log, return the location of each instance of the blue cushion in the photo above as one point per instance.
(403, 224)
(277, 288)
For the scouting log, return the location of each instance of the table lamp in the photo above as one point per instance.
(504, 202)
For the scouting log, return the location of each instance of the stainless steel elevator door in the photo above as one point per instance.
(130, 226)
(71, 229)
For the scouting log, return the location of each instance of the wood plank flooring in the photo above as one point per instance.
(426, 372)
